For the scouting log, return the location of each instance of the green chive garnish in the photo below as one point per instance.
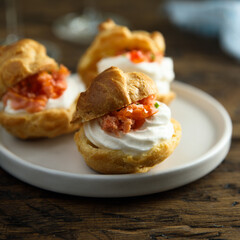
(156, 105)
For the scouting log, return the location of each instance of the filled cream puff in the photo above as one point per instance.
(138, 51)
(125, 129)
(38, 97)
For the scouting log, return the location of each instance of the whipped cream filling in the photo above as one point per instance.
(162, 73)
(156, 128)
(74, 87)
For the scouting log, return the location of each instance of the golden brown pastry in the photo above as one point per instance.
(112, 90)
(33, 92)
(48, 123)
(125, 130)
(110, 161)
(20, 60)
(138, 46)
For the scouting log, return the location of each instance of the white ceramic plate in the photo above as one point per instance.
(56, 165)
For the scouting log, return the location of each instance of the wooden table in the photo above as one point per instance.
(205, 209)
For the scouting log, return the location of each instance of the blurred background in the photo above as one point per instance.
(45, 21)
(37, 19)
(193, 34)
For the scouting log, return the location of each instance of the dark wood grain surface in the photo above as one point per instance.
(205, 209)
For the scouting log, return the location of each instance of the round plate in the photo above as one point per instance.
(56, 165)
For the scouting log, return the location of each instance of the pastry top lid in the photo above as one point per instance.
(112, 39)
(22, 59)
(112, 90)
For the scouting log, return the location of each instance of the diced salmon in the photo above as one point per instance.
(33, 92)
(21, 102)
(138, 56)
(130, 117)
(126, 125)
(110, 124)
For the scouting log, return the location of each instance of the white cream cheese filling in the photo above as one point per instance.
(74, 87)
(162, 73)
(156, 128)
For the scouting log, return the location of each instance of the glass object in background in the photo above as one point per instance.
(210, 18)
(81, 28)
(14, 32)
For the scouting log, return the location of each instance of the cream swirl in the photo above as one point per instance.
(74, 87)
(162, 73)
(156, 128)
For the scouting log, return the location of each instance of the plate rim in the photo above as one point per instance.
(222, 141)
